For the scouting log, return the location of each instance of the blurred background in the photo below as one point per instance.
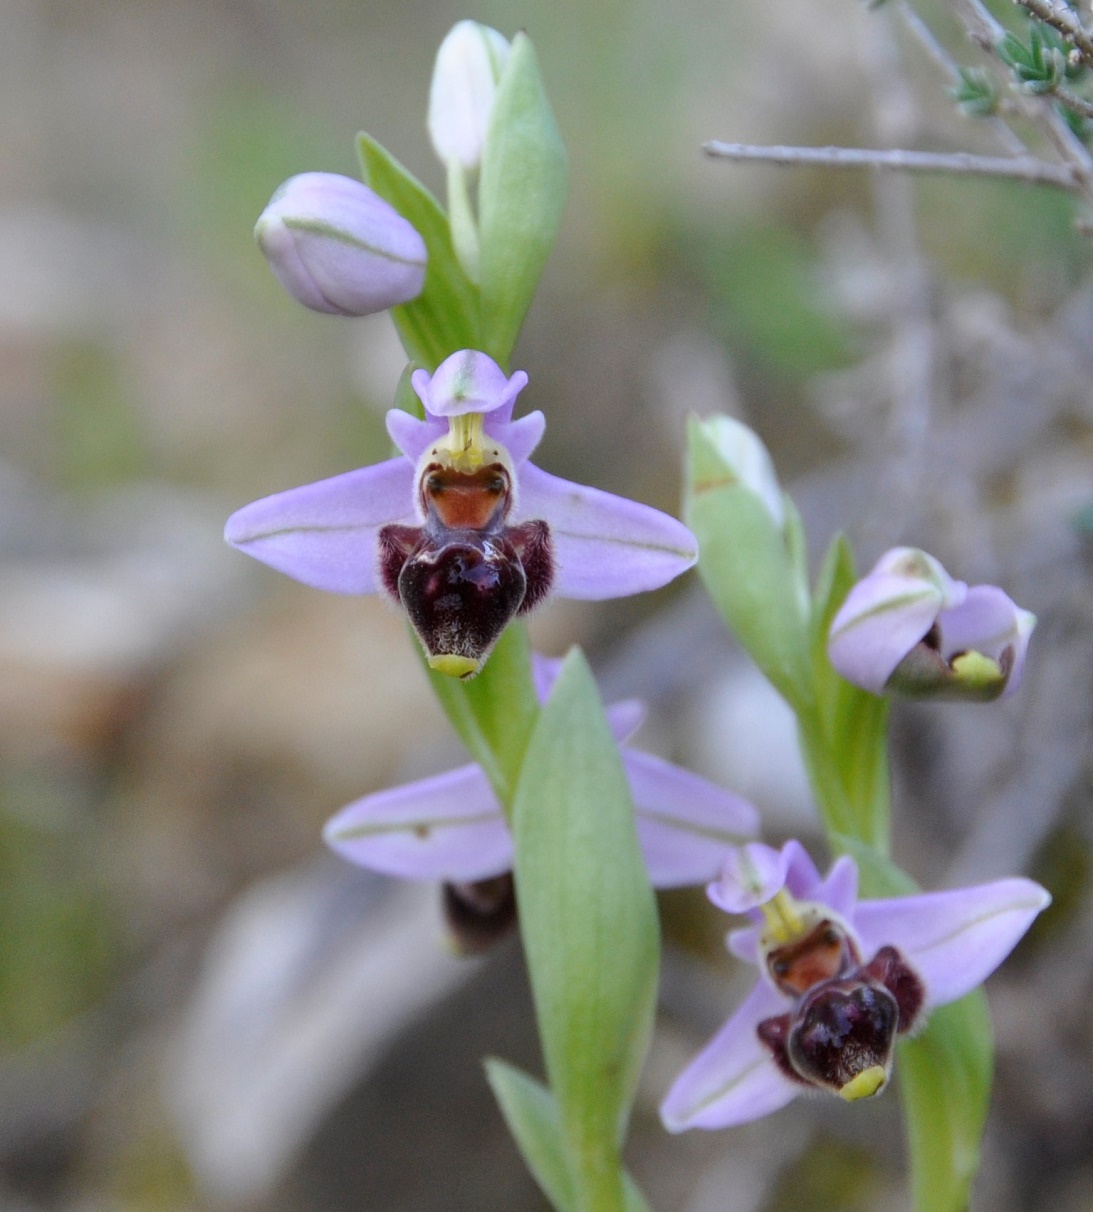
(200, 1008)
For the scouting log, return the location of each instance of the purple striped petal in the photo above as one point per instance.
(448, 828)
(734, 1078)
(324, 534)
(954, 939)
(686, 825)
(604, 546)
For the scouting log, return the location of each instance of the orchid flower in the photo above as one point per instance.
(459, 528)
(840, 979)
(336, 246)
(451, 827)
(909, 627)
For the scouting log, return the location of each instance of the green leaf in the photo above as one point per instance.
(494, 712)
(945, 1083)
(444, 317)
(532, 1117)
(975, 94)
(747, 568)
(521, 194)
(589, 926)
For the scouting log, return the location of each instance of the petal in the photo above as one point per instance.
(604, 546)
(734, 1078)
(989, 622)
(839, 888)
(686, 825)
(954, 939)
(544, 671)
(752, 875)
(802, 876)
(324, 534)
(744, 944)
(625, 718)
(449, 828)
(887, 613)
(520, 437)
(1026, 621)
(865, 644)
(411, 435)
(467, 381)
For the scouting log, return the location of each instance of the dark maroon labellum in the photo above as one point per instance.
(845, 1026)
(462, 593)
(480, 914)
(841, 1029)
(465, 574)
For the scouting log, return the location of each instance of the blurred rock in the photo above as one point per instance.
(308, 982)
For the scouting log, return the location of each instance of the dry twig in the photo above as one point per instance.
(1026, 168)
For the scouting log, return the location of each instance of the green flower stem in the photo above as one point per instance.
(851, 789)
(494, 713)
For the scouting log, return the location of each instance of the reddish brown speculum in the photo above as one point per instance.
(825, 952)
(465, 500)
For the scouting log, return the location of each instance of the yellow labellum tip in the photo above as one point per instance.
(454, 666)
(865, 1085)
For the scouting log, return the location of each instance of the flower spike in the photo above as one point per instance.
(840, 980)
(460, 529)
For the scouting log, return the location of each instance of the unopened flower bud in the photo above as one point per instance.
(748, 460)
(337, 247)
(908, 627)
(468, 68)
